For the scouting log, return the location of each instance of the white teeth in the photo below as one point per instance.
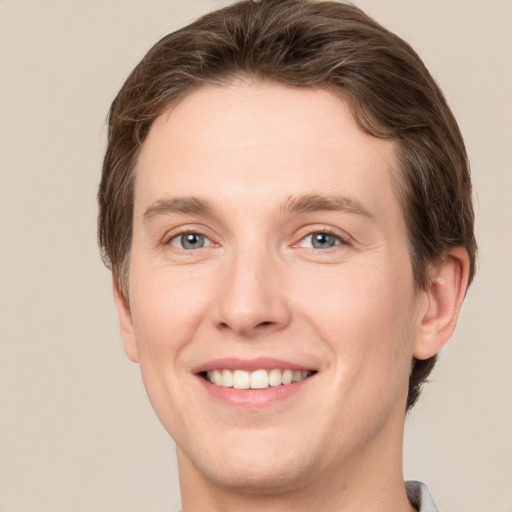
(287, 377)
(241, 379)
(227, 378)
(259, 379)
(216, 377)
(274, 377)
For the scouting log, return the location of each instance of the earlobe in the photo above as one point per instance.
(125, 321)
(444, 296)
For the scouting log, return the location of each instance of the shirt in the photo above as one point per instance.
(420, 496)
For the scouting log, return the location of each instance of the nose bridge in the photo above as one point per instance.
(252, 298)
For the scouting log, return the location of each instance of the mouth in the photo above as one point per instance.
(255, 383)
(257, 379)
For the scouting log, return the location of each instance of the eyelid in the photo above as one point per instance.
(208, 242)
(343, 237)
(185, 230)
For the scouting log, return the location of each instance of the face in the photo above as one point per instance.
(270, 257)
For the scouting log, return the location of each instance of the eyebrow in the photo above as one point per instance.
(184, 205)
(314, 202)
(308, 203)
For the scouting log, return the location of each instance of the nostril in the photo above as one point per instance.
(225, 325)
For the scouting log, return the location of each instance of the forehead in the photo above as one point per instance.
(267, 140)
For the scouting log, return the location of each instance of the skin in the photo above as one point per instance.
(258, 288)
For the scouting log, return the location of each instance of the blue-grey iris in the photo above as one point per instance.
(192, 241)
(323, 240)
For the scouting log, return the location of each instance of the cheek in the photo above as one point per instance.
(166, 312)
(365, 315)
(167, 309)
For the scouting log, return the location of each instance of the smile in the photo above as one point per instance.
(258, 379)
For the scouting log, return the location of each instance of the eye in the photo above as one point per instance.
(190, 241)
(321, 240)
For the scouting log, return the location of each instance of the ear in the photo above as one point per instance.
(443, 299)
(125, 321)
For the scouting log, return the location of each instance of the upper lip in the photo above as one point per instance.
(250, 365)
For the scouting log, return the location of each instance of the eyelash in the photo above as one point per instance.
(182, 234)
(339, 240)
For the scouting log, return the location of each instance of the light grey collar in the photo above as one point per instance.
(420, 496)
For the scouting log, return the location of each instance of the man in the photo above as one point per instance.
(286, 209)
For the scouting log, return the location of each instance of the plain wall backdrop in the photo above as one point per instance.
(76, 430)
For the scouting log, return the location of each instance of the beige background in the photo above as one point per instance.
(76, 431)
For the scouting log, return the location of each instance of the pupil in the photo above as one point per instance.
(192, 241)
(322, 240)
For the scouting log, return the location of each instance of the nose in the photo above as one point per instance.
(252, 298)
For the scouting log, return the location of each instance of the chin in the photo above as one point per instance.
(263, 478)
(252, 462)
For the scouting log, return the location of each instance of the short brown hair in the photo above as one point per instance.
(304, 43)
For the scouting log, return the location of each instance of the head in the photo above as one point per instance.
(285, 187)
(326, 45)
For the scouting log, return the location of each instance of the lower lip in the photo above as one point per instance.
(253, 398)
